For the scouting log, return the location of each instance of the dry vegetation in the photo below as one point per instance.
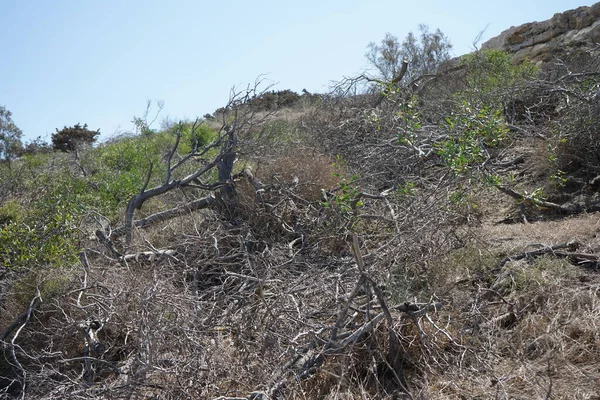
(354, 259)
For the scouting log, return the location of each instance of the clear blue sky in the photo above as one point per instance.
(98, 62)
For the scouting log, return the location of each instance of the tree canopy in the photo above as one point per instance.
(70, 138)
(10, 136)
(424, 53)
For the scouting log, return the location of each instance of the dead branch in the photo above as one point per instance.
(572, 246)
(310, 358)
(247, 172)
(112, 366)
(396, 80)
(307, 365)
(21, 322)
(583, 259)
(237, 117)
(510, 163)
(393, 84)
(138, 200)
(110, 245)
(149, 255)
(537, 202)
(89, 331)
(418, 310)
(188, 208)
(348, 85)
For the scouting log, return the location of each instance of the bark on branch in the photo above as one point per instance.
(195, 205)
(394, 82)
(571, 246)
(540, 203)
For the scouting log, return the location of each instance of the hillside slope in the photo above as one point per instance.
(437, 241)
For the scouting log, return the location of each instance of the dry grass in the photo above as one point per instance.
(584, 228)
(531, 329)
(313, 171)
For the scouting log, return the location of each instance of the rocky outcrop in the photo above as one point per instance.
(542, 41)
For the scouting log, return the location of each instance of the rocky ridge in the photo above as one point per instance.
(543, 41)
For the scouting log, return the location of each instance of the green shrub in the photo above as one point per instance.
(123, 155)
(124, 168)
(473, 129)
(539, 272)
(200, 136)
(44, 237)
(10, 211)
(492, 78)
(47, 282)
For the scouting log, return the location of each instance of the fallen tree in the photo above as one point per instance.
(237, 118)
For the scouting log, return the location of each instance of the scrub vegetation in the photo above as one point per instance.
(427, 232)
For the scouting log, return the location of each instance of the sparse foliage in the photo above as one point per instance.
(424, 53)
(386, 57)
(36, 146)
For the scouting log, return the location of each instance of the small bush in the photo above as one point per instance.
(41, 239)
(313, 171)
(473, 131)
(47, 282)
(275, 100)
(492, 78)
(277, 131)
(10, 211)
(198, 136)
(36, 146)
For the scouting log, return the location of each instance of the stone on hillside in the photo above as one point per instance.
(541, 41)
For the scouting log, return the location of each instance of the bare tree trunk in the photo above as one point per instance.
(243, 117)
(225, 168)
(195, 205)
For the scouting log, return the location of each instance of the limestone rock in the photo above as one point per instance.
(541, 41)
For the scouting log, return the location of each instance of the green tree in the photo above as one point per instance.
(36, 146)
(73, 137)
(10, 136)
(424, 53)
